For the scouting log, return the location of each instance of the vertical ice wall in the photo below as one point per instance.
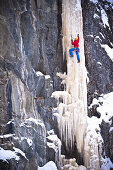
(72, 112)
(76, 72)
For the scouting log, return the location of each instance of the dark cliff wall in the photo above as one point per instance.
(35, 26)
(30, 41)
(100, 76)
(99, 65)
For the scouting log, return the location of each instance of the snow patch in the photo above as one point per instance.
(94, 102)
(47, 77)
(17, 150)
(111, 129)
(91, 35)
(96, 16)
(106, 108)
(93, 138)
(38, 73)
(6, 136)
(99, 63)
(101, 35)
(11, 121)
(97, 37)
(94, 1)
(29, 141)
(7, 155)
(107, 164)
(87, 79)
(49, 166)
(36, 121)
(104, 18)
(105, 104)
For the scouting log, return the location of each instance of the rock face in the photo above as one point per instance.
(98, 63)
(98, 34)
(30, 43)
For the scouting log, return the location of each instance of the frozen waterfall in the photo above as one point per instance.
(72, 112)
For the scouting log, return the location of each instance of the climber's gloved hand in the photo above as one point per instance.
(78, 35)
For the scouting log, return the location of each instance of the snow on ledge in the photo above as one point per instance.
(38, 73)
(94, 1)
(49, 166)
(47, 77)
(36, 121)
(7, 155)
(6, 136)
(17, 150)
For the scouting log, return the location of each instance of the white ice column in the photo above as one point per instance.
(76, 75)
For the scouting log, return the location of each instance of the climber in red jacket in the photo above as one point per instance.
(76, 48)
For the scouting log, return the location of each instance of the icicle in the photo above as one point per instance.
(73, 110)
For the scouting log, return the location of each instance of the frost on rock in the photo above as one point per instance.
(72, 103)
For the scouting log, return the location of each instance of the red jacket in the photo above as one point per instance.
(75, 43)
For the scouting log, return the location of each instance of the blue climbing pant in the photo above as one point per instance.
(77, 52)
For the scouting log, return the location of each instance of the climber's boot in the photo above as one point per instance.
(78, 61)
(71, 55)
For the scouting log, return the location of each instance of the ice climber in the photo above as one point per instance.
(76, 48)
